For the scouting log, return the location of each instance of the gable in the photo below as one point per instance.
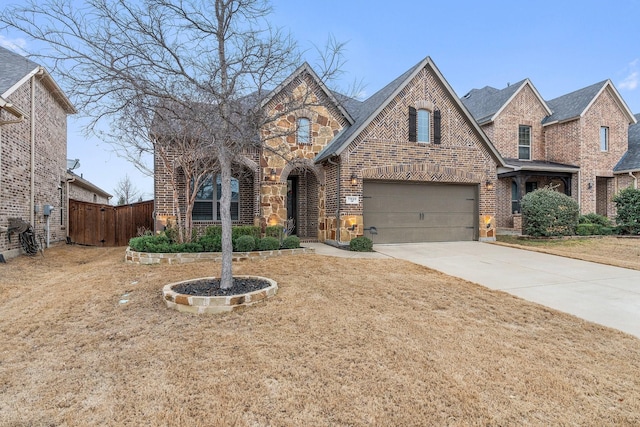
(630, 162)
(575, 104)
(422, 83)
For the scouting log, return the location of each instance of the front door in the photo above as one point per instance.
(292, 201)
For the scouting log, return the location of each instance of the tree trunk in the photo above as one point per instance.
(226, 277)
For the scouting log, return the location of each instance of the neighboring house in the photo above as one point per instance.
(409, 164)
(33, 148)
(84, 191)
(628, 168)
(572, 142)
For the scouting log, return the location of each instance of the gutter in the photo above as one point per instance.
(635, 180)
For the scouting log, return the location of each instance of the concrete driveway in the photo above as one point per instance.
(599, 293)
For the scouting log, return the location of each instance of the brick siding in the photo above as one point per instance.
(50, 164)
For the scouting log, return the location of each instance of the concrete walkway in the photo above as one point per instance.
(599, 293)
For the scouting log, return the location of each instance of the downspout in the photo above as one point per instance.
(32, 124)
(635, 180)
(66, 223)
(338, 196)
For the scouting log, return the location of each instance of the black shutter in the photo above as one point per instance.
(413, 125)
(437, 136)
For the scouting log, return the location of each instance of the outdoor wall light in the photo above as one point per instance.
(272, 175)
(489, 185)
(354, 179)
(589, 186)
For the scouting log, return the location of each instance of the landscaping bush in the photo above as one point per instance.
(547, 212)
(291, 242)
(628, 206)
(244, 230)
(269, 244)
(594, 218)
(213, 230)
(145, 243)
(593, 224)
(211, 243)
(274, 231)
(361, 244)
(245, 243)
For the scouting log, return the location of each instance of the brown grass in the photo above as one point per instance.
(345, 342)
(617, 251)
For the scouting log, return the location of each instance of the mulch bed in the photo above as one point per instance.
(211, 287)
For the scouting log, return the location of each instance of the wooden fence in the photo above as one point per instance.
(105, 225)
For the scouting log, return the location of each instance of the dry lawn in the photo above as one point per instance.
(345, 342)
(618, 251)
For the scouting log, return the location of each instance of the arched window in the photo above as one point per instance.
(303, 131)
(423, 125)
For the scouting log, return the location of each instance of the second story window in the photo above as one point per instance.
(423, 126)
(604, 138)
(420, 125)
(303, 132)
(524, 142)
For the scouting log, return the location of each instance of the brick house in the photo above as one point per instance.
(85, 191)
(409, 164)
(33, 148)
(628, 168)
(572, 142)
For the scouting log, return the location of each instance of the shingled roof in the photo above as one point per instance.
(486, 103)
(630, 162)
(572, 105)
(15, 70)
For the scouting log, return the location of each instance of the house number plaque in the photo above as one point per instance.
(352, 200)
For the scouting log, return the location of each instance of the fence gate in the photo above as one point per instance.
(105, 225)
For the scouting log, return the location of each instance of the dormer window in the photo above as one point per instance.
(524, 142)
(303, 132)
(604, 138)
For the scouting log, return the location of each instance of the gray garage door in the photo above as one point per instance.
(406, 213)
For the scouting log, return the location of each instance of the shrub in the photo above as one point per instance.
(594, 218)
(213, 230)
(291, 242)
(245, 243)
(269, 244)
(628, 206)
(361, 244)
(547, 212)
(211, 243)
(594, 225)
(244, 230)
(274, 231)
(145, 243)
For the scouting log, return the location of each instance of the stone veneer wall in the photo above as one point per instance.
(146, 258)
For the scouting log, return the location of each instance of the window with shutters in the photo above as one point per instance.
(423, 126)
(420, 125)
(207, 204)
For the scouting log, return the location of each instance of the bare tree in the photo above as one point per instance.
(185, 81)
(126, 191)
